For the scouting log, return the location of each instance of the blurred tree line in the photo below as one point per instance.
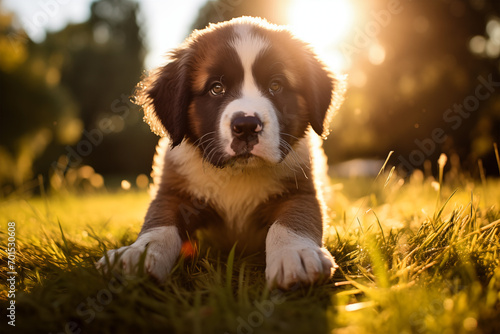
(428, 81)
(65, 101)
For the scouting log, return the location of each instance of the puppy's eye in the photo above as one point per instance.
(275, 87)
(217, 89)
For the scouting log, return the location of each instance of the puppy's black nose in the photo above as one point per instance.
(244, 127)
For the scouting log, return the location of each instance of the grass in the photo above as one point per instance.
(415, 256)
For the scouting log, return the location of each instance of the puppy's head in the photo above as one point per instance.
(242, 91)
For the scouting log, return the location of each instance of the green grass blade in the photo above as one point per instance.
(440, 211)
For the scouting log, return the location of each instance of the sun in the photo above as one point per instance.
(323, 24)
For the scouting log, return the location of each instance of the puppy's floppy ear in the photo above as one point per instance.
(324, 94)
(165, 96)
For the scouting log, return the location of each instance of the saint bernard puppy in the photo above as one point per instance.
(240, 106)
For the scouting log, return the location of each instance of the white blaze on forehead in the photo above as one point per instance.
(248, 46)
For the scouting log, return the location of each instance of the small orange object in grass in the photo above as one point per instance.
(188, 248)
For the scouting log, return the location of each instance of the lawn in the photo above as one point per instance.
(415, 255)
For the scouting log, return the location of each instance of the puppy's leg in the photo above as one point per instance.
(160, 238)
(294, 252)
(163, 245)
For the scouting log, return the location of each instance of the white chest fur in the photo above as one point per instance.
(234, 192)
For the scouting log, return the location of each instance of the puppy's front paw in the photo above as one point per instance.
(292, 259)
(163, 246)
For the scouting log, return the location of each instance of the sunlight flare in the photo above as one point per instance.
(323, 24)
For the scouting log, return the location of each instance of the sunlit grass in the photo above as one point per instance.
(415, 256)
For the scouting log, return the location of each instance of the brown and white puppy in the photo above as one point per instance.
(235, 105)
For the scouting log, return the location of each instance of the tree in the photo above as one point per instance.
(68, 97)
(103, 62)
(32, 101)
